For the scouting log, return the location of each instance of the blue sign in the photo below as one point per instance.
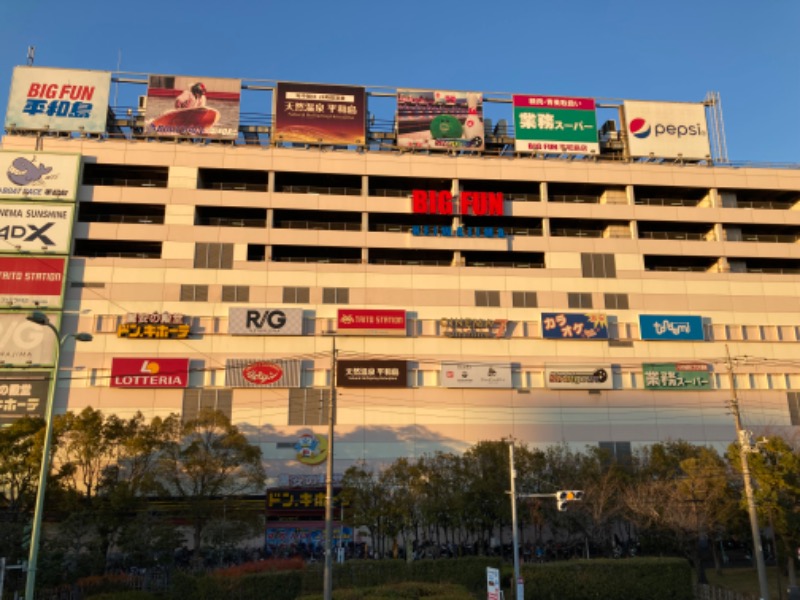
(581, 326)
(671, 327)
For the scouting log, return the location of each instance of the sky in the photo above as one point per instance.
(610, 50)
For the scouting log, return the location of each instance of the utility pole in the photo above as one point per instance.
(518, 585)
(745, 447)
(328, 576)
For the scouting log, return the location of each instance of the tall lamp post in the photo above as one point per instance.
(41, 319)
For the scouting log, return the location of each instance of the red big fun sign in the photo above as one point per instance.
(441, 202)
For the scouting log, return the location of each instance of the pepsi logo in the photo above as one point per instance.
(639, 128)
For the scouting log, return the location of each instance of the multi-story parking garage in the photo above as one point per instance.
(475, 284)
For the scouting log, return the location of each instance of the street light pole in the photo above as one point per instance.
(745, 447)
(328, 575)
(41, 319)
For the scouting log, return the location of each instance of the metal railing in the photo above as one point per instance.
(113, 181)
(231, 222)
(327, 191)
(318, 225)
(579, 199)
(671, 235)
(667, 201)
(593, 233)
(248, 187)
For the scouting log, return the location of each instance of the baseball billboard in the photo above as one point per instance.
(320, 114)
(440, 120)
(195, 107)
(667, 129)
(44, 99)
(32, 282)
(555, 125)
(35, 228)
(38, 176)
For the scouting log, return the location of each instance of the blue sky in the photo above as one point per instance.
(605, 49)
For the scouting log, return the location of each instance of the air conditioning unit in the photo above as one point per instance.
(142, 102)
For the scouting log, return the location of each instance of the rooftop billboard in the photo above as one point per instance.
(555, 125)
(195, 107)
(44, 99)
(320, 114)
(440, 120)
(667, 129)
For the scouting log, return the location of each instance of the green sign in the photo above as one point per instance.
(676, 376)
(555, 125)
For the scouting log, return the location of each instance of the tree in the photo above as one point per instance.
(204, 461)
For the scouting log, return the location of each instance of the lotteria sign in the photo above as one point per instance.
(150, 372)
(667, 129)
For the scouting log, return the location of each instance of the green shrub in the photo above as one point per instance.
(630, 579)
(128, 595)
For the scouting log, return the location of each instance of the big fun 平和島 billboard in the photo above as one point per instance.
(44, 99)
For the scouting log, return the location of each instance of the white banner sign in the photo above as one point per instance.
(38, 176)
(35, 228)
(44, 99)
(667, 129)
(476, 375)
(566, 377)
(265, 321)
(23, 342)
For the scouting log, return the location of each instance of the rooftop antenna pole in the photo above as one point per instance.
(119, 66)
(31, 53)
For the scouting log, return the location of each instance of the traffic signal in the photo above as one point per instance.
(564, 496)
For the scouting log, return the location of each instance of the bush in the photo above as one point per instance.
(129, 595)
(632, 579)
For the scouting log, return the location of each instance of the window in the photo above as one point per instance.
(618, 451)
(194, 400)
(524, 300)
(308, 406)
(487, 298)
(336, 296)
(579, 300)
(598, 265)
(87, 284)
(794, 407)
(213, 256)
(194, 293)
(616, 301)
(235, 293)
(296, 295)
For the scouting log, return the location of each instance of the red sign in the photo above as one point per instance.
(150, 372)
(365, 321)
(481, 204)
(37, 276)
(262, 373)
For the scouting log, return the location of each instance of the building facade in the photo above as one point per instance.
(447, 297)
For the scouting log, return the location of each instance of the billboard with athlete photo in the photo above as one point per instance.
(195, 107)
(440, 120)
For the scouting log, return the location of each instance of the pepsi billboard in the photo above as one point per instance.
(671, 327)
(667, 129)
